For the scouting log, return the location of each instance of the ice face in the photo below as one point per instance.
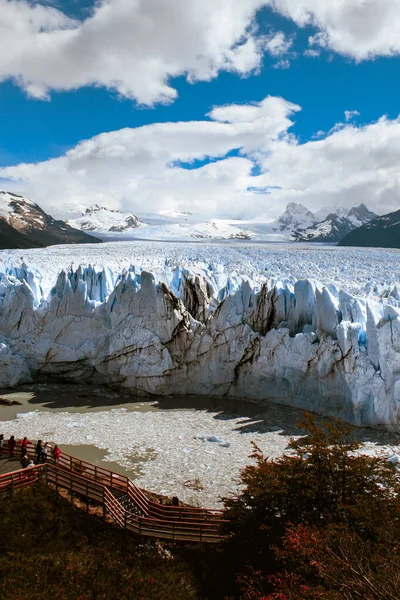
(247, 323)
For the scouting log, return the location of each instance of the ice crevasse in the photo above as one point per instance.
(302, 344)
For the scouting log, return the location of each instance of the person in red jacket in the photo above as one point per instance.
(11, 446)
(56, 452)
(24, 446)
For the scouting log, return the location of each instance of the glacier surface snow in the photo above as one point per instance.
(312, 328)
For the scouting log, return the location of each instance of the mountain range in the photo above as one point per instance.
(23, 224)
(335, 226)
(296, 224)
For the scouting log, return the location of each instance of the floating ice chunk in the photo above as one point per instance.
(394, 458)
(212, 438)
(27, 415)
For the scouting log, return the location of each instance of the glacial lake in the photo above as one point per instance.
(191, 447)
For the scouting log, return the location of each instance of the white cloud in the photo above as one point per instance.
(350, 114)
(131, 46)
(311, 53)
(135, 47)
(278, 44)
(141, 169)
(361, 29)
(282, 64)
(349, 166)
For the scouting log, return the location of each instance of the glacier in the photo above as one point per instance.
(204, 329)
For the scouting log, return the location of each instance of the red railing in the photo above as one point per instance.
(94, 483)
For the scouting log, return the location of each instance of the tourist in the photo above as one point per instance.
(38, 451)
(44, 452)
(24, 446)
(56, 452)
(1, 444)
(11, 446)
(24, 461)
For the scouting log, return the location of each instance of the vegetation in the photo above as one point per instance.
(322, 522)
(50, 549)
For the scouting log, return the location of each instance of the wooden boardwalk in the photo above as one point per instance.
(7, 465)
(127, 504)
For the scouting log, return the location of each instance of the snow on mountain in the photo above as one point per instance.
(335, 226)
(178, 226)
(23, 224)
(255, 322)
(101, 219)
(296, 216)
(297, 223)
(381, 232)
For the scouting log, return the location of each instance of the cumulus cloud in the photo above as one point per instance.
(349, 166)
(243, 159)
(131, 46)
(136, 47)
(361, 29)
(144, 168)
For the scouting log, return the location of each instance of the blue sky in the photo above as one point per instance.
(36, 129)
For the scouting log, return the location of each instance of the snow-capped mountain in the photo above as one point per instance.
(23, 224)
(101, 219)
(383, 232)
(296, 216)
(335, 226)
(297, 223)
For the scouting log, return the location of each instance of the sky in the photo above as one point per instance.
(224, 108)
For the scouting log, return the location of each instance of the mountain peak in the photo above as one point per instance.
(296, 216)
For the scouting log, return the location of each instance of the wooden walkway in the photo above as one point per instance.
(117, 495)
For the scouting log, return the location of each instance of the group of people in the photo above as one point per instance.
(42, 451)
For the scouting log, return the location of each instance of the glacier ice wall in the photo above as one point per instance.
(303, 344)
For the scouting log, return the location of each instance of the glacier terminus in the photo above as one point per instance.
(255, 322)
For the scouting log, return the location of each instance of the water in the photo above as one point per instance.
(164, 444)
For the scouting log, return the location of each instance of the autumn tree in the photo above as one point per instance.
(303, 518)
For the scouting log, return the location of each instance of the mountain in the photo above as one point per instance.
(383, 232)
(335, 226)
(296, 224)
(296, 216)
(23, 224)
(101, 219)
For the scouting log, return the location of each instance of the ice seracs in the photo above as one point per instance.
(197, 330)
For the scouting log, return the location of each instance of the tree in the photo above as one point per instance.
(324, 491)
